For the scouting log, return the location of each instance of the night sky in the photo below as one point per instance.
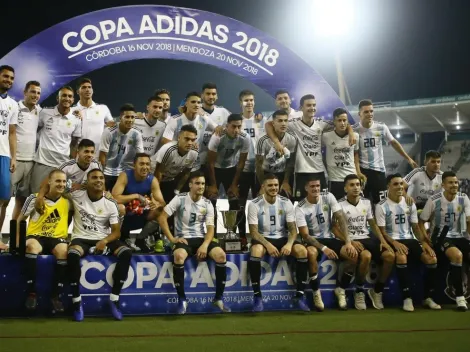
(398, 49)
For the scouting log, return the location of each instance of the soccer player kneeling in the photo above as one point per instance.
(395, 220)
(96, 230)
(271, 221)
(192, 211)
(47, 234)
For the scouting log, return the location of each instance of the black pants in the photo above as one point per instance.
(224, 177)
(247, 182)
(301, 180)
(109, 182)
(376, 186)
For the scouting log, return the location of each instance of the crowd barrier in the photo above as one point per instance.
(149, 288)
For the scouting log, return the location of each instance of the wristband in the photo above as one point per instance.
(323, 248)
(177, 192)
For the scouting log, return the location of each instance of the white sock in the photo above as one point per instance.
(114, 297)
(76, 299)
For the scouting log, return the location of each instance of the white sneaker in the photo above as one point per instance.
(408, 305)
(461, 303)
(220, 305)
(429, 303)
(317, 301)
(376, 298)
(360, 301)
(341, 298)
(131, 244)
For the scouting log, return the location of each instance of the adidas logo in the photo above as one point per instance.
(53, 217)
(421, 184)
(348, 213)
(333, 143)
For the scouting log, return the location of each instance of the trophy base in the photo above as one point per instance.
(232, 246)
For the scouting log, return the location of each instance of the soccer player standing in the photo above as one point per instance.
(96, 230)
(451, 208)
(95, 117)
(396, 220)
(119, 145)
(26, 134)
(342, 159)
(225, 162)
(372, 134)
(58, 139)
(218, 114)
(194, 235)
(268, 160)
(271, 221)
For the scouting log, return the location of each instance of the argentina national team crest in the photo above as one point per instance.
(450, 291)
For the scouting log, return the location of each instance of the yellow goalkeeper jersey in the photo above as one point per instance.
(53, 223)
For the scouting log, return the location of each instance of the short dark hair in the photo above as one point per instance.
(392, 176)
(192, 94)
(351, 177)
(127, 107)
(195, 174)
(306, 97)
(56, 171)
(161, 91)
(280, 112)
(65, 87)
(82, 82)
(31, 83)
(85, 143)
(281, 91)
(432, 154)
(270, 177)
(313, 178)
(448, 174)
(7, 68)
(154, 98)
(339, 111)
(234, 117)
(244, 93)
(208, 85)
(365, 102)
(140, 155)
(94, 170)
(188, 128)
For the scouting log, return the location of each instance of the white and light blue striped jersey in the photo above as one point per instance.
(272, 162)
(309, 157)
(440, 212)
(202, 124)
(151, 134)
(396, 218)
(229, 149)
(317, 217)
(120, 148)
(255, 129)
(421, 187)
(371, 155)
(172, 163)
(191, 218)
(339, 155)
(356, 217)
(271, 219)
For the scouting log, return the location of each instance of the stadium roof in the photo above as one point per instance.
(423, 115)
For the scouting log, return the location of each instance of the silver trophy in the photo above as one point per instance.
(231, 241)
